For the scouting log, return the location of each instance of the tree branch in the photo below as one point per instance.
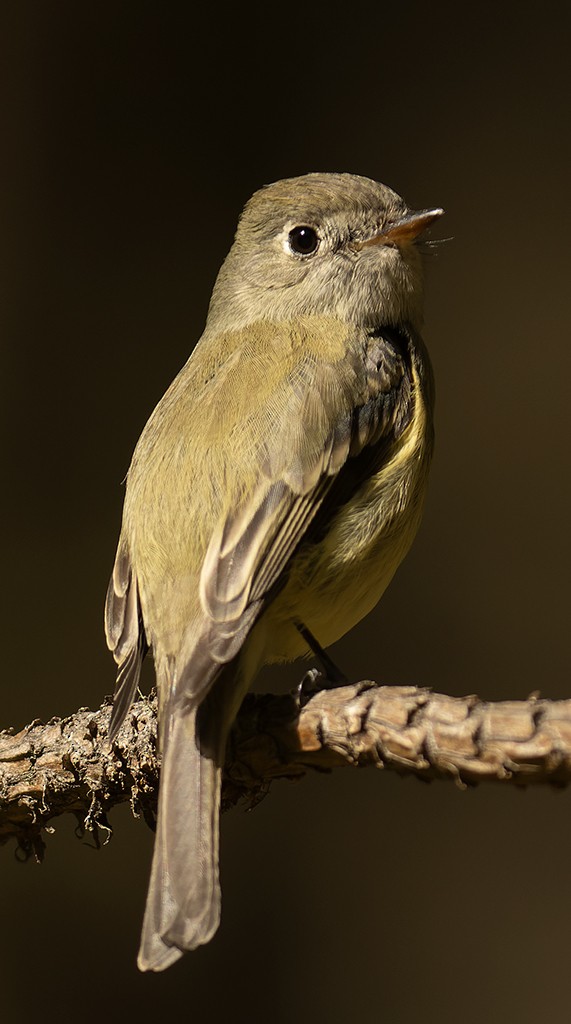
(66, 765)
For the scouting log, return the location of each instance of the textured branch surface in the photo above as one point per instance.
(67, 765)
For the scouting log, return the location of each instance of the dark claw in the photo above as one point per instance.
(312, 682)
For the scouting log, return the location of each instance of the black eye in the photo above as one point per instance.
(303, 240)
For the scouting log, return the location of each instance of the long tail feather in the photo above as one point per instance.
(183, 903)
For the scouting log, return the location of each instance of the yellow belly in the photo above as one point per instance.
(334, 584)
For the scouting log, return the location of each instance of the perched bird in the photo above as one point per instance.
(272, 495)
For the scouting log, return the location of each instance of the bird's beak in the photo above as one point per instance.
(404, 230)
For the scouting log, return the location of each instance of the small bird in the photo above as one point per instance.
(272, 495)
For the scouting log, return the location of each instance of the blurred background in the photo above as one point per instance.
(132, 135)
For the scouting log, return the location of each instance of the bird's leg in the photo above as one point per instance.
(333, 674)
(315, 680)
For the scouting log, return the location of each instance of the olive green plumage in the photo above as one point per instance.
(279, 481)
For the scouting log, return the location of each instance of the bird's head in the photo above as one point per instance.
(336, 245)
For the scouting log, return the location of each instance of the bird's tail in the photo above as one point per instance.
(183, 902)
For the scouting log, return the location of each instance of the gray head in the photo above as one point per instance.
(323, 244)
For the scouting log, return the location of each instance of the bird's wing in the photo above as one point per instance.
(125, 634)
(329, 435)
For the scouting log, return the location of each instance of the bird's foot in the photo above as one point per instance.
(312, 682)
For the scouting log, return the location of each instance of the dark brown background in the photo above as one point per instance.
(131, 136)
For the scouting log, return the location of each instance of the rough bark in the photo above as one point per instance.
(66, 765)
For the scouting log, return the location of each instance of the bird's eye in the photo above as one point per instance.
(303, 240)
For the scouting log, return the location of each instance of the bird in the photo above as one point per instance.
(272, 495)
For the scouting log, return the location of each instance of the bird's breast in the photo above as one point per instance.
(334, 583)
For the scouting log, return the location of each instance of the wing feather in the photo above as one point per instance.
(353, 409)
(125, 635)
